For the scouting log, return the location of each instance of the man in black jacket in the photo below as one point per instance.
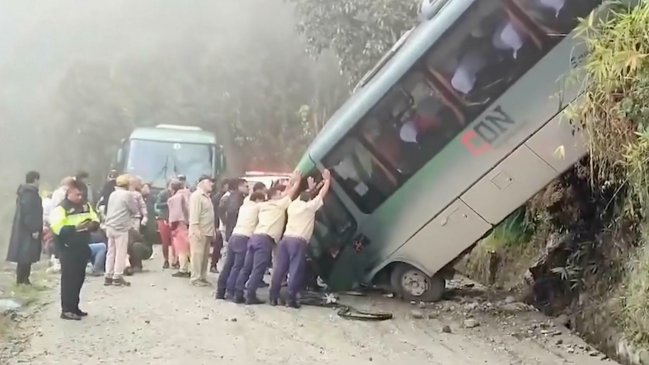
(217, 243)
(107, 189)
(27, 229)
(238, 192)
(72, 222)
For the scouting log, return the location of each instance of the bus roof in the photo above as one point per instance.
(349, 114)
(169, 134)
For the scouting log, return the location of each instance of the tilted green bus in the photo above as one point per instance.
(457, 126)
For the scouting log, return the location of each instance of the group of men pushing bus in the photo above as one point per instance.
(268, 221)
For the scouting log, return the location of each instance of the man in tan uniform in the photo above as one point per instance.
(271, 220)
(201, 229)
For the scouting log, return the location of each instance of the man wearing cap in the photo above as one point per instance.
(271, 220)
(120, 212)
(201, 229)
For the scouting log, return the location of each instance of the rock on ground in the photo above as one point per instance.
(163, 320)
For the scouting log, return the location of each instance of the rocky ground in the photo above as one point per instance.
(164, 320)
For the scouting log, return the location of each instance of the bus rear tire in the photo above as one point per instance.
(412, 284)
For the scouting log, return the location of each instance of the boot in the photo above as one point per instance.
(165, 265)
(238, 298)
(121, 282)
(70, 316)
(254, 301)
(108, 281)
(292, 303)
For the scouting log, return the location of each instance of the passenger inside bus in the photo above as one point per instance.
(556, 18)
(478, 59)
(361, 173)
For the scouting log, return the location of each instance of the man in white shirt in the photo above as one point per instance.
(291, 255)
(238, 244)
(271, 220)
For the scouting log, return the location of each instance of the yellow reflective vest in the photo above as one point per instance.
(66, 215)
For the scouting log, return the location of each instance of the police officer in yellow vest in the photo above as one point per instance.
(72, 221)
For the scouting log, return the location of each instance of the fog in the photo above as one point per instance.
(42, 42)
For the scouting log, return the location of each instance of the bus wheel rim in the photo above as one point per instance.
(414, 283)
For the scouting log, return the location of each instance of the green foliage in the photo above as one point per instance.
(614, 110)
(515, 230)
(615, 113)
(636, 309)
(358, 32)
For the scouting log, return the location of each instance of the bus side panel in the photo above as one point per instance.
(509, 184)
(442, 239)
(559, 144)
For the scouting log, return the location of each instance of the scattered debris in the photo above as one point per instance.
(417, 314)
(9, 305)
(471, 323)
(446, 329)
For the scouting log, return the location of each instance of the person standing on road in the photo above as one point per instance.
(271, 220)
(234, 202)
(72, 221)
(178, 205)
(237, 245)
(162, 220)
(141, 218)
(292, 251)
(201, 229)
(81, 178)
(107, 189)
(27, 230)
(58, 196)
(120, 213)
(217, 244)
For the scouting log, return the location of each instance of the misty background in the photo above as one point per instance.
(77, 77)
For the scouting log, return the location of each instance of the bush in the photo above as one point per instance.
(615, 114)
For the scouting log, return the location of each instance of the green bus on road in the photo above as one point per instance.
(454, 129)
(159, 153)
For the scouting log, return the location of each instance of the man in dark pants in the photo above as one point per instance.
(27, 229)
(72, 222)
(217, 242)
(237, 245)
(292, 251)
(271, 220)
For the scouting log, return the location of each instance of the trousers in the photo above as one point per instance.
(180, 242)
(199, 247)
(217, 246)
(168, 251)
(23, 271)
(234, 260)
(117, 253)
(98, 256)
(258, 257)
(291, 260)
(73, 274)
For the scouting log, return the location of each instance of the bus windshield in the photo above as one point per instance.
(156, 161)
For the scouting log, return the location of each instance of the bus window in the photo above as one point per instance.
(407, 131)
(557, 18)
(365, 178)
(484, 53)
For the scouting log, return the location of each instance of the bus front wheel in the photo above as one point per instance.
(412, 284)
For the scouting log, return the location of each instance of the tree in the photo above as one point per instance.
(359, 32)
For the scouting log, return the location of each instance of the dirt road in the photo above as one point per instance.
(164, 320)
